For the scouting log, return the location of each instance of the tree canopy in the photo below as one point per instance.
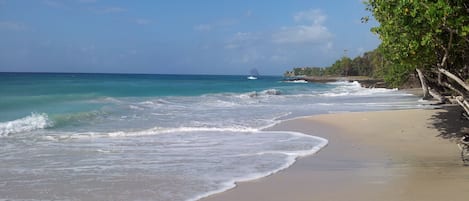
(429, 36)
(424, 34)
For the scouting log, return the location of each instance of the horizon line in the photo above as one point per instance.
(122, 73)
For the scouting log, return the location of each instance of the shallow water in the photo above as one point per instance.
(158, 137)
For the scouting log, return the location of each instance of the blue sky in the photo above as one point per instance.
(179, 36)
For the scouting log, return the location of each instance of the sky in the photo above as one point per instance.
(180, 36)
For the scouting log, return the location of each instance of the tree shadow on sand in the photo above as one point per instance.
(450, 123)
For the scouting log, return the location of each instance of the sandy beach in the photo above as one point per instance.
(388, 155)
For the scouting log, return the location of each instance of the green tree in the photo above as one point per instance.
(431, 35)
(377, 63)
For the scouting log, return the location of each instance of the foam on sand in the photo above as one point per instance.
(291, 158)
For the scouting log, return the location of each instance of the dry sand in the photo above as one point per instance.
(387, 156)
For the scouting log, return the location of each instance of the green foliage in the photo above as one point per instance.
(420, 33)
(370, 64)
(306, 71)
(397, 75)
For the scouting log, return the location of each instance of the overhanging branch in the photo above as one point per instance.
(455, 78)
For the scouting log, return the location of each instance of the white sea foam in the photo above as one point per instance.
(269, 144)
(158, 130)
(134, 107)
(219, 103)
(111, 100)
(147, 132)
(255, 94)
(353, 89)
(291, 158)
(32, 122)
(157, 102)
(271, 92)
(297, 81)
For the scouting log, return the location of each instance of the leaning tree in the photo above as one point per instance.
(430, 37)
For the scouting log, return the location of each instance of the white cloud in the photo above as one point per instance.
(87, 49)
(302, 34)
(128, 54)
(248, 13)
(12, 26)
(226, 22)
(203, 27)
(242, 39)
(113, 10)
(303, 42)
(108, 10)
(142, 21)
(245, 47)
(54, 4)
(248, 56)
(329, 45)
(212, 26)
(86, 1)
(314, 15)
(313, 32)
(278, 58)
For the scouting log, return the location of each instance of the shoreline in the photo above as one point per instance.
(367, 82)
(359, 164)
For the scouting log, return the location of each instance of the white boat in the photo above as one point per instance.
(252, 77)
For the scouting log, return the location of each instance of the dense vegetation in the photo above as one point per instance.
(424, 34)
(369, 64)
(427, 36)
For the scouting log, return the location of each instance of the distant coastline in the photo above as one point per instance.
(365, 81)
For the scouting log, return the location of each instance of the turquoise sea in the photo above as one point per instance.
(158, 137)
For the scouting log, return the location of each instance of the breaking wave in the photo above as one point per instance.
(147, 132)
(264, 93)
(353, 89)
(32, 122)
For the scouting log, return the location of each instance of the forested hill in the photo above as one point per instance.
(369, 64)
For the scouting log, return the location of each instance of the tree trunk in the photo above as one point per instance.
(463, 103)
(455, 78)
(423, 82)
(452, 88)
(435, 94)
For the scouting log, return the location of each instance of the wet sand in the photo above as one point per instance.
(390, 155)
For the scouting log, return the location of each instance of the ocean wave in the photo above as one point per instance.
(157, 102)
(264, 93)
(353, 89)
(273, 92)
(75, 118)
(37, 121)
(147, 132)
(164, 130)
(159, 130)
(296, 81)
(32, 122)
